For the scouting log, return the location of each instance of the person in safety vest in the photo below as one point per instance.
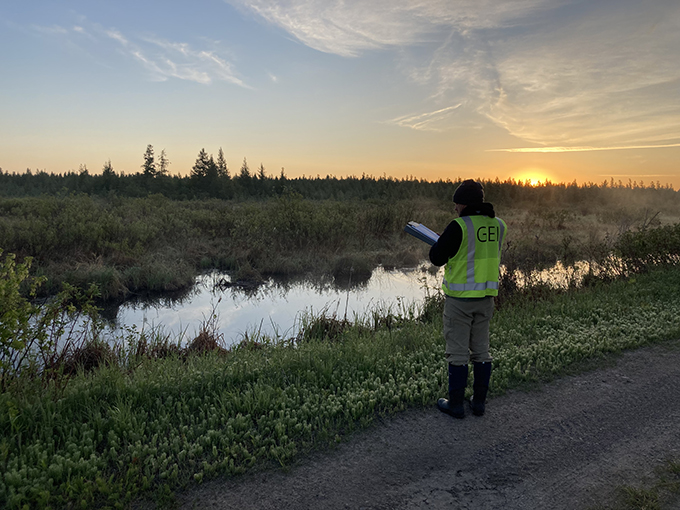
(471, 249)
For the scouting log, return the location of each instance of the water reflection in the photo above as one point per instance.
(278, 307)
(557, 276)
(560, 276)
(275, 308)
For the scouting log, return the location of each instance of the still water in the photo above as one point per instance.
(275, 309)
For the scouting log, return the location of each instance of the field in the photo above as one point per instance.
(103, 426)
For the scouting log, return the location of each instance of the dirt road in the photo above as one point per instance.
(566, 445)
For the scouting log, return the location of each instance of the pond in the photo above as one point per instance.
(276, 309)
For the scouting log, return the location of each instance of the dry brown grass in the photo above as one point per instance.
(205, 342)
(86, 357)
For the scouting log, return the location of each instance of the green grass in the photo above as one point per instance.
(117, 434)
(537, 338)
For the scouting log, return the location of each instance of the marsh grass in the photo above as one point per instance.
(130, 246)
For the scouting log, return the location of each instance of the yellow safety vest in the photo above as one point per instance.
(473, 272)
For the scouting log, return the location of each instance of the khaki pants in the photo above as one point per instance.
(466, 329)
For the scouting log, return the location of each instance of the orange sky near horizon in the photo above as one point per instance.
(530, 89)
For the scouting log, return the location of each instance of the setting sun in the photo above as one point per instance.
(533, 176)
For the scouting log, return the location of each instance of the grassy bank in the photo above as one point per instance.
(148, 426)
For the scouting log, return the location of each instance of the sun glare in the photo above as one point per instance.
(532, 176)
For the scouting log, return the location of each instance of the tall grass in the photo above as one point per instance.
(129, 245)
(135, 245)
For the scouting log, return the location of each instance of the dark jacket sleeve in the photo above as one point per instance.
(447, 245)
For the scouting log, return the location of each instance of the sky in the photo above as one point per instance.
(585, 90)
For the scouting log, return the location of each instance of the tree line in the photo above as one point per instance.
(210, 177)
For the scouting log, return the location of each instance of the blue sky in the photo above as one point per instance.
(557, 89)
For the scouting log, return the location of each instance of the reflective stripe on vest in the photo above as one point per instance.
(470, 285)
(462, 287)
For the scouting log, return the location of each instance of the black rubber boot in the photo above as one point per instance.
(480, 387)
(458, 375)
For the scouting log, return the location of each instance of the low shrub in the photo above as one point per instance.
(36, 339)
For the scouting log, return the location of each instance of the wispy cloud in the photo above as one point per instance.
(602, 80)
(166, 59)
(350, 27)
(51, 30)
(561, 73)
(430, 121)
(161, 58)
(583, 149)
(342, 28)
(117, 36)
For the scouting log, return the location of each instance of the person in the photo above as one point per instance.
(470, 247)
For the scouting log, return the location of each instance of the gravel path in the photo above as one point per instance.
(567, 445)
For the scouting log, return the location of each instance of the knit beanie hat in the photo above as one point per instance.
(469, 192)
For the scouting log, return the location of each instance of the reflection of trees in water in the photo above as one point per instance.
(325, 291)
(279, 286)
(172, 300)
(351, 281)
(219, 285)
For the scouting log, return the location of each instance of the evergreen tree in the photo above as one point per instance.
(149, 166)
(205, 174)
(163, 164)
(245, 171)
(200, 168)
(107, 170)
(280, 182)
(222, 169)
(260, 173)
(108, 175)
(83, 179)
(211, 171)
